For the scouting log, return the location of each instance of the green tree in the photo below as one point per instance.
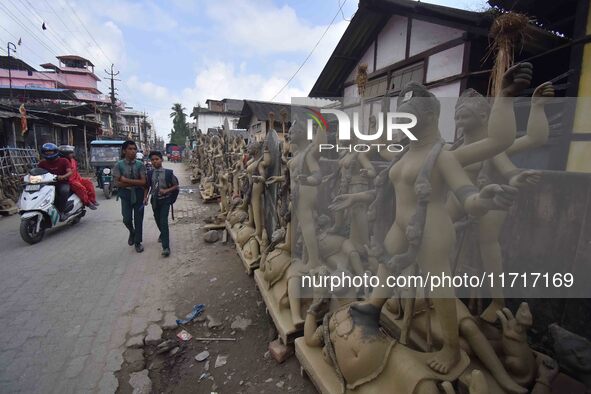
(180, 129)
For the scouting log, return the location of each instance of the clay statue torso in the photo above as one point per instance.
(403, 176)
(361, 349)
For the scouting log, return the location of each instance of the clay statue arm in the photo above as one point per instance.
(344, 201)
(314, 179)
(367, 169)
(319, 138)
(538, 128)
(515, 176)
(501, 123)
(475, 203)
(313, 333)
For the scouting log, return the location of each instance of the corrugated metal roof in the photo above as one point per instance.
(261, 110)
(552, 15)
(370, 19)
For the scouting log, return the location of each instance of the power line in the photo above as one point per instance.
(11, 15)
(91, 36)
(311, 52)
(41, 20)
(75, 36)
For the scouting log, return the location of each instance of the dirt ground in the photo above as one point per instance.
(212, 274)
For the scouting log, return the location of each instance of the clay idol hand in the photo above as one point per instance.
(516, 79)
(497, 197)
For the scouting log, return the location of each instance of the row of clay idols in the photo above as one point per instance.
(421, 233)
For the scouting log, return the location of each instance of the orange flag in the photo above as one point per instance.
(23, 112)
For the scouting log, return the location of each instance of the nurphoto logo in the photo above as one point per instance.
(402, 121)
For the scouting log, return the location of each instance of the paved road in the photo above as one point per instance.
(69, 303)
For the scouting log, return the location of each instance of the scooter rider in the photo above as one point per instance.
(83, 188)
(60, 167)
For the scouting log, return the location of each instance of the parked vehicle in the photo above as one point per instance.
(37, 206)
(175, 156)
(174, 152)
(104, 154)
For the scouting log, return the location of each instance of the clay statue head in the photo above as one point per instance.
(472, 111)
(373, 124)
(417, 100)
(297, 136)
(253, 149)
(572, 351)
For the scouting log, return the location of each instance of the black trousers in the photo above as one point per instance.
(62, 192)
(132, 210)
(161, 208)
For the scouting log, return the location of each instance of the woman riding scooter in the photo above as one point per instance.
(81, 186)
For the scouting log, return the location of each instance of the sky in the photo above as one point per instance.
(187, 51)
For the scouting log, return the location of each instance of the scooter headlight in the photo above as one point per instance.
(35, 179)
(106, 171)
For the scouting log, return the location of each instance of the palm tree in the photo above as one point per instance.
(179, 121)
(178, 112)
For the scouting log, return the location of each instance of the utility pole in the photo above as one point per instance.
(145, 130)
(111, 75)
(9, 68)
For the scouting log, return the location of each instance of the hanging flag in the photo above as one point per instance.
(24, 127)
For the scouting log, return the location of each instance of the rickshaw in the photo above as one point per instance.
(104, 154)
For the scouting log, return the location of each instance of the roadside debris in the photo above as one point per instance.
(165, 346)
(220, 361)
(154, 335)
(241, 323)
(202, 356)
(196, 311)
(212, 322)
(184, 335)
(211, 236)
(140, 382)
(214, 339)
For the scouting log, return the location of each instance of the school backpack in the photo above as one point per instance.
(169, 178)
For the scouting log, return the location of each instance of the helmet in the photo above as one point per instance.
(139, 156)
(49, 151)
(66, 149)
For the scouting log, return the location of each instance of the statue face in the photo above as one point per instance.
(425, 119)
(467, 121)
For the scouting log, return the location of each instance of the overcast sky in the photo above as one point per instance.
(186, 50)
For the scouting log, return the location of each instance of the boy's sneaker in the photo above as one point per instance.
(139, 248)
(92, 206)
(166, 252)
(131, 239)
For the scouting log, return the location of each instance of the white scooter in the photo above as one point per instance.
(37, 209)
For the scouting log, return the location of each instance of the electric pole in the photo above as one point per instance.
(112, 76)
(9, 67)
(145, 131)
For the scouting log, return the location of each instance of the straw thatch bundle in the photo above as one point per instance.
(506, 33)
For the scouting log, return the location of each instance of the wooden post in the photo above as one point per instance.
(86, 150)
(14, 133)
(35, 136)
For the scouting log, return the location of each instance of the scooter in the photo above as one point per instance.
(37, 209)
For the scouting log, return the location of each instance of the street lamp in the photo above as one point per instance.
(9, 73)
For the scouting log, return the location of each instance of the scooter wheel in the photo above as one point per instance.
(28, 230)
(107, 191)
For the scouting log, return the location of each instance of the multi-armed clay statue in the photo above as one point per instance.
(421, 208)
(472, 113)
